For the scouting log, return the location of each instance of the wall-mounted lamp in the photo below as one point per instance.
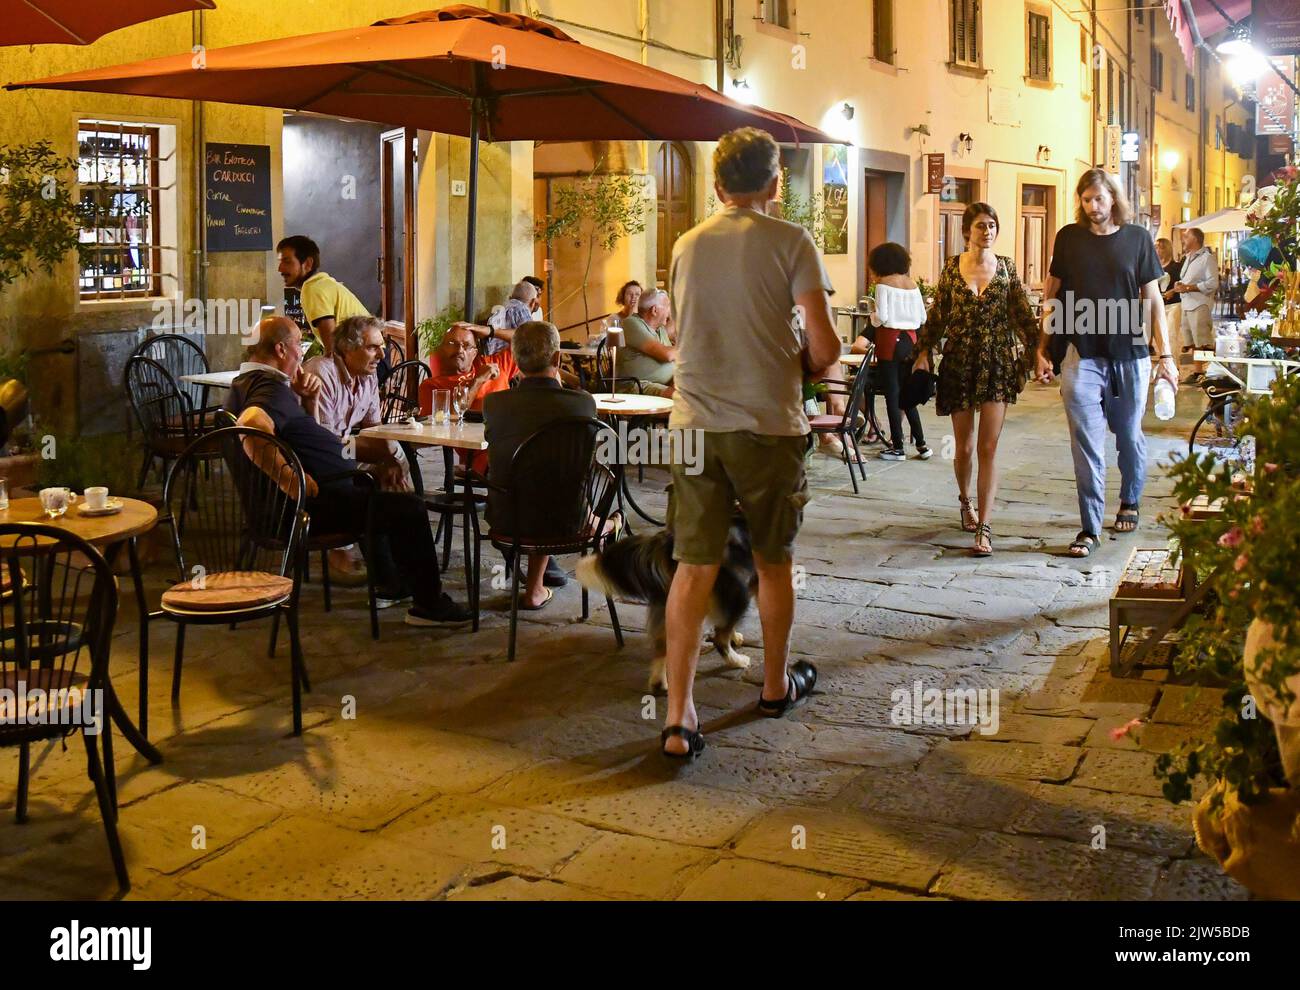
(740, 83)
(965, 143)
(847, 110)
(1044, 153)
(923, 129)
(1169, 159)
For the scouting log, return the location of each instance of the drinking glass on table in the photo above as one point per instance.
(4, 495)
(55, 501)
(459, 402)
(441, 406)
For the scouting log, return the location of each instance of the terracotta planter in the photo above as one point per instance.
(1285, 717)
(1258, 845)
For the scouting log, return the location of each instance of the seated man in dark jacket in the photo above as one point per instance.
(265, 397)
(510, 418)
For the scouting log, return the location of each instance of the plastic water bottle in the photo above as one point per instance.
(1164, 399)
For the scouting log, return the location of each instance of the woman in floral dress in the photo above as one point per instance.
(982, 312)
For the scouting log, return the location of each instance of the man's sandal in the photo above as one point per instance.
(694, 742)
(1126, 520)
(968, 512)
(1084, 544)
(802, 678)
(983, 534)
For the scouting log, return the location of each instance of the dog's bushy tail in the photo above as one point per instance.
(639, 568)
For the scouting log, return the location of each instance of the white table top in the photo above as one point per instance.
(216, 379)
(462, 436)
(852, 360)
(1211, 356)
(631, 404)
(582, 352)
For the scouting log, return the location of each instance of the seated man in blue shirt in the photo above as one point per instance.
(265, 397)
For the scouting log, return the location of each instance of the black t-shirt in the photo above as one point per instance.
(1099, 307)
(1175, 272)
(317, 448)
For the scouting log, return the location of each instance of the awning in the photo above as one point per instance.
(1193, 21)
(1219, 222)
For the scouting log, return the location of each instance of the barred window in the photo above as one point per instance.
(964, 32)
(1157, 69)
(1191, 92)
(1040, 46)
(120, 174)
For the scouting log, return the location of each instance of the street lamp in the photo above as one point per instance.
(1169, 159)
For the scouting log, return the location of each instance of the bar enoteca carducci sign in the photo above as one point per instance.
(237, 178)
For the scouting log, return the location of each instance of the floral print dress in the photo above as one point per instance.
(990, 338)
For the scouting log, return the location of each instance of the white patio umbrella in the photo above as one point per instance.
(1219, 222)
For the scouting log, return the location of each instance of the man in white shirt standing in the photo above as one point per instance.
(1200, 281)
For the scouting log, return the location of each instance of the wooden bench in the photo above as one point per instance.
(1152, 591)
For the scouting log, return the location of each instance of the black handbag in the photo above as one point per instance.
(918, 389)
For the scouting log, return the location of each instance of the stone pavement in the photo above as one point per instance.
(463, 776)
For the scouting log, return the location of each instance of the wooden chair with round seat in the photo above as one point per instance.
(58, 603)
(239, 536)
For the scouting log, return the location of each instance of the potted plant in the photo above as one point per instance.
(1247, 640)
(431, 331)
(596, 210)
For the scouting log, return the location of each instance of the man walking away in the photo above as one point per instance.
(736, 280)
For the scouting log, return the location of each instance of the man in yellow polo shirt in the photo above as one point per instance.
(326, 302)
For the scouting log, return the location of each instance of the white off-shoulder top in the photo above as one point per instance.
(898, 309)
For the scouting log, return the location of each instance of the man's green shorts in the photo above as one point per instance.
(765, 474)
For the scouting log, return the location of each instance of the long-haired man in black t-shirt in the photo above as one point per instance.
(1102, 290)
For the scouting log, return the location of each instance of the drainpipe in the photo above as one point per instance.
(1200, 129)
(718, 43)
(200, 251)
(1092, 109)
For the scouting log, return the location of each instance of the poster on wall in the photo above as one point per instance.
(238, 178)
(1276, 27)
(835, 197)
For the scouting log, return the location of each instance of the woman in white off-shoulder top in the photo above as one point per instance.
(899, 312)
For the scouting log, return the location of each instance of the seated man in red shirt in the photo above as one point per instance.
(459, 362)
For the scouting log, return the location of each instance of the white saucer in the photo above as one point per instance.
(114, 506)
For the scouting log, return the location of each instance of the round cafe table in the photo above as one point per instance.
(632, 405)
(108, 533)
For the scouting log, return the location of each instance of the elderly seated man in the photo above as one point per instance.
(265, 397)
(459, 363)
(649, 356)
(348, 399)
(509, 418)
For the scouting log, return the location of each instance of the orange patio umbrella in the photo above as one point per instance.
(79, 22)
(459, 70)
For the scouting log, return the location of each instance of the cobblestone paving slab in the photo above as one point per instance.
(736, 879)
(1143, 824)
(301, 859)
(893, 853)
(633, 865)
(1198, 880)
(1013, 867)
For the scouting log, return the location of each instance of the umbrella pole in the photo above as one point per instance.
(471, 219)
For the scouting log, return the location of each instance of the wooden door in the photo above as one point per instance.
(876, 203)
(674, 192)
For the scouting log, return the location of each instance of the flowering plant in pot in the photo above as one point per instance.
(1246, 640)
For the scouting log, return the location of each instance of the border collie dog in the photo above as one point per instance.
(640, 568)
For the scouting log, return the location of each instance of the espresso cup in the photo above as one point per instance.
(96, 498)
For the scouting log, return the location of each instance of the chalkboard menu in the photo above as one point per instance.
(293, 309)
(239, 197)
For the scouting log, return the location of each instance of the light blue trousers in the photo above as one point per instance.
(1088, 387)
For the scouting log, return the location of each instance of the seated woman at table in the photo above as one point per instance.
(629, 295)
(898, 314)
